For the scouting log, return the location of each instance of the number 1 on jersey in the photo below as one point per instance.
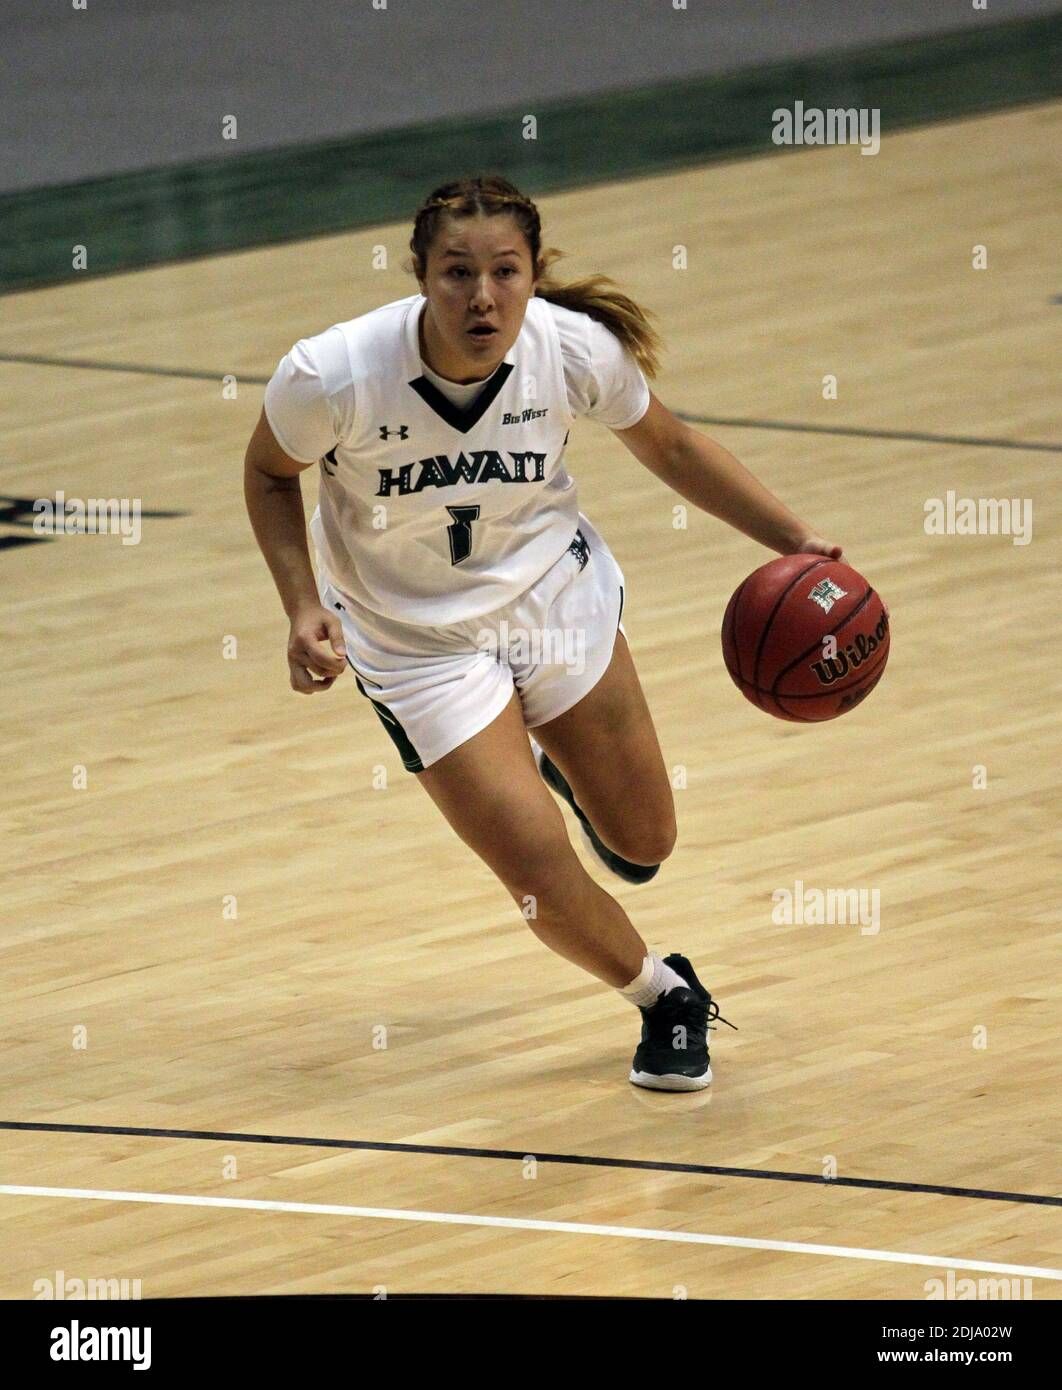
(460, 532)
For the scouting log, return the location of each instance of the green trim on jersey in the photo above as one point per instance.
(411, 760)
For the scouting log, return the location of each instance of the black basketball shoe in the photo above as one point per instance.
(556, 781)
(673, 1052)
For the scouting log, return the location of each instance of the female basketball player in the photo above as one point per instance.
(448, 527)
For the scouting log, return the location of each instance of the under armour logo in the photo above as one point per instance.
(402, 432)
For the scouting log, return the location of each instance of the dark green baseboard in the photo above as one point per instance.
(243, 200)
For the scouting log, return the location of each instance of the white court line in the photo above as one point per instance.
(520, 1223)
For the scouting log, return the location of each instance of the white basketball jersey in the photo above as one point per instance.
(431, 513)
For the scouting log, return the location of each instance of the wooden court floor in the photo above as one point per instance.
(232, 950)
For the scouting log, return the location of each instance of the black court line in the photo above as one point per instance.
(856, 432)
(733, 421)
(521, 1155)
(138, 368)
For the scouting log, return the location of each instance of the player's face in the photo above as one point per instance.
(478, 280)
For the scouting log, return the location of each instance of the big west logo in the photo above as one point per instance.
(484, 466)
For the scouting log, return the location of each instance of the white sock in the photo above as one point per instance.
(655, 979)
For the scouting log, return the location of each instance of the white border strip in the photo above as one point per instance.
(518, 1223)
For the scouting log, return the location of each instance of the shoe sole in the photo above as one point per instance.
(670, 1081)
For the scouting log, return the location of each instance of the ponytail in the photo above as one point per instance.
(600, 297)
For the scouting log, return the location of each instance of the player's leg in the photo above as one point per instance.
(490, 791)
(607, 749)
(589, 715)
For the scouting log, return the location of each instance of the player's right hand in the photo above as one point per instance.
(316, 651)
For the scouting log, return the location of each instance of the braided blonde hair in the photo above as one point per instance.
(596, 295)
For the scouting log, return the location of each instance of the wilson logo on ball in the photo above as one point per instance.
(853, 656)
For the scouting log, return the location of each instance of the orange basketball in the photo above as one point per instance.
(805, 638)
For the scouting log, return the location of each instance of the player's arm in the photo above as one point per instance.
(710, 477)
(273, 494)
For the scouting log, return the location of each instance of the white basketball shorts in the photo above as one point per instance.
(435, 687)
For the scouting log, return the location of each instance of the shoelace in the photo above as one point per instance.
(713, 1014)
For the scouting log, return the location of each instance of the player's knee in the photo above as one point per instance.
(544, 871)
(649, 844)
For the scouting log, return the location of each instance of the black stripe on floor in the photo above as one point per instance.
(739, 422)
(521, 1156)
